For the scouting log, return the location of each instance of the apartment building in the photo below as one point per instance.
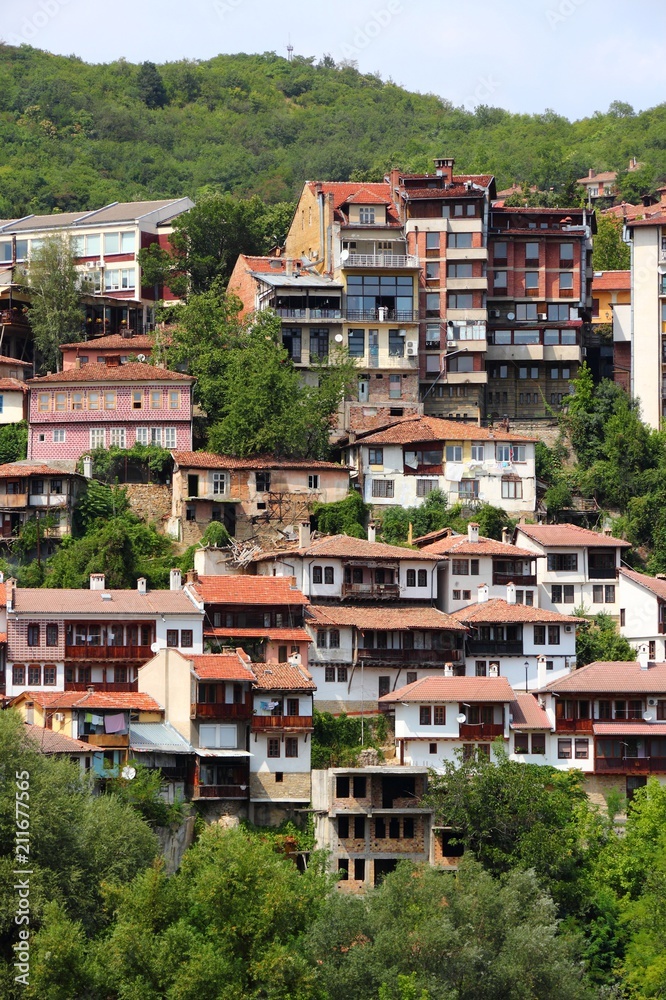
(106, 242)
(47, 491)
(13, 387)
(125, 346)
(642, 601)
(648, 328)
(406, 461)
(580, 569)
(108, 404)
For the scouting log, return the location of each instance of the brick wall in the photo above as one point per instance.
(293, 786)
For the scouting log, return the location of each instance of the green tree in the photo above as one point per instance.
(54, 286)
(342, 517)
(599, 639)
(13, 442)
(151, 86)
(610, 252)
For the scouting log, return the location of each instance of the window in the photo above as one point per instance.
(512, 489)
(313, 482)
(291, 746)
(143, 436)
(455, 595)
(322, 640)
(609, 594)
(539, 743)
(411, 677)
(432, 336)
(172, 637)
(359, 788)
(395, 387)
(425, 487)
(468, 489)
(156, 399)
(359, 869)
(396, 344)
(329, 575)
(460, 567)
(566, 280)
(558, 313)
(553, 635)
(526, 312)
(156, 436)
(333, 640)
(110, 400)
(343, 869)
(317, 574)
(432, 241)
(480, 668)
(539, 635)
(460, 300)
(342, 675)
(454, 453)
(423, 578)
(273, 746)
(411, 577)
(531, 279)
(376, 456)
(174, 399)
(186, 638)
(169, 437)
(521, 743)
(51, 635)
(478, 452)
(503, 452)
(356, 343)
(49, 674)
(563, 562)
(383, 488)
(564, 749)
(33, 635)
(432, 304)
(329, 672)
(34, 674)
(500, 281)
(59, 435)
(137, 399)
(262, 482)
(459, 241)
(582, 749)
(366, 215)
(425, 715)
(342, 788)
(566, 254)
(117, 437)
(439, 715)
(18, 674)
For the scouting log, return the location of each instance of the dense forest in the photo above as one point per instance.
(75, 136)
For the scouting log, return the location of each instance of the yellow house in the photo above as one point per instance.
(609, 288)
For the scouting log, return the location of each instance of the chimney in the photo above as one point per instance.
(295, 660)
(192, 576)
(505, 536)
(288, 267)
(141, 585)
(77, 362)
(87, 466)
(473, 532)
(483, 593)
(590, 173)
(510, 593)
(448, 670)
(303, 534)
(493, 669)
(642, 654)
(444, 168)
(372, 531)
(175, 580)
(97, 581)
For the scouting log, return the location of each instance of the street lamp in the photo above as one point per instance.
(527, 667)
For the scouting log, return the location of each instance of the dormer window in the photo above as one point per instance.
(366, 215)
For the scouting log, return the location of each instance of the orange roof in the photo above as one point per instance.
(437, 689)
(604, 175)
(282, 677)
(53, 600)
(113, 340)
(619, 677)
(611, 281)
(629, 727)
(121, 700)
(346, 547)
(16, 470)
(9, 384)
(499, 610)
(134, 371)
(49, 742)
(209, 460)
(651, 583)
(274, 634)
(528, 714)
(4, 360)
(460, 545)
(222, 667)
(659, 219)
(413, 430)
(249, 590)
(383, 617)
(345, 191)
(570, 534)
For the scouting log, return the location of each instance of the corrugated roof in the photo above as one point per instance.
(222, 667)
(49, 601)
(499, 610)
(528, 714)
(267, 590)
(157, 737)
(570, 534)
(209, 460)
(415, 429)
(603, 677)
(651, 583)
(49, 742)
(129, 211)
(383, 617)
(133, 371)
(282, 677)
(452, 689)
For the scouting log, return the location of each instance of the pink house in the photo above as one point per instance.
(105, 405)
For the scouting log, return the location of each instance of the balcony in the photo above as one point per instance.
(600, 573)
(574, 725)
(481, 730)
(48, 500)
(481, 647)
(264, 722)
(370, 590)
(13, 500)
(109, 686)
(221, 711)
(391, 260)
(437, 657)
(381, 314)
(501, 579)
(106, 740)
(308, 315)
(90, 652)
(221, 792)
(12, 317)
(630, 765)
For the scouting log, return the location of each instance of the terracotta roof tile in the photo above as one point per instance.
(460, 545)
(343, 191)
(412, 430)
(13, 385)
(282, 677)
(383, 617)
(274, 634)
(4, 360)
(222, 667)
(49, 742)
(209, 460)
(629, 727)
(611, 281)
(241, 589)
(49, 601)
(651, 583)
(612, 678)
(654, 220)
(528, 714)
(499, 610)
(346, 547)
(116, 340)
(571, 535)
(134, 371)
(17, 470)
(121, 700)
(452, 689)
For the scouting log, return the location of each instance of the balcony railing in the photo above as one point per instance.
(13, 500)
(435, 656)
(106, 740)
(603, 574)
(260, 722)
(480, 647)
(308, 314)
(370, 590)
(524, 580)
(481, 731)
(90, 652)
(12, 317)
(381, 315)
(219, 710)
(630, 765)
(574, 725)
(380, 260)
(221, 791)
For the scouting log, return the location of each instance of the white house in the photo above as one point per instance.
(643, 612)
(529, 646)
(580, 568)
(406, 461)
(468, 560)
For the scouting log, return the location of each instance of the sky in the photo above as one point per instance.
(574, 56)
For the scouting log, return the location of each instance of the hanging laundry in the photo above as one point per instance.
(115, 723)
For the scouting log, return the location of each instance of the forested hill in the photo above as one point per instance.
(74, 135)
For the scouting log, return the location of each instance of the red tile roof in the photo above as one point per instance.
(447, 689)
(344, 191)
(611, 281)
(134, 371)
(4, 360)
(383, 617)
(612, 678)
(116, 340)
(48, 601)
(14, 470)
(282, 677)
(460, 545)
(49, 742)
(346, 547)
(570, 535)
(364, 196)
(222, 667)
(528, 714)
(267, 590)
(13, 384)
(209, 460)
(651, 583)
(499, 610)
(411, 430)
(274, 634)
(629, 727)
(654, 220)
(603, 175)
(121, 700)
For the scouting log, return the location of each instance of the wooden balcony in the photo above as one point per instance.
(481, 730)
(574, 725)
(221, 791)
(370, 591)
(501, 579)
(110, 686)
(106, 740)
(630, 765)
(267, 722)
(13, 501)
(90, 652)
(221, 711)
(437, 657)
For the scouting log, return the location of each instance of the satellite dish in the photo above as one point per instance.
(647, 716)
(128, 772)
(141, 357)
(339, 338)
(344, 255)
(155, 647)
(510, 315)
(461, 718)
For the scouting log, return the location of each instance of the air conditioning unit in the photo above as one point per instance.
(652, 701)
(543, 315)
(412, 349)
(59, 717)
(568, 628)
(495, 314)
(91, 264)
